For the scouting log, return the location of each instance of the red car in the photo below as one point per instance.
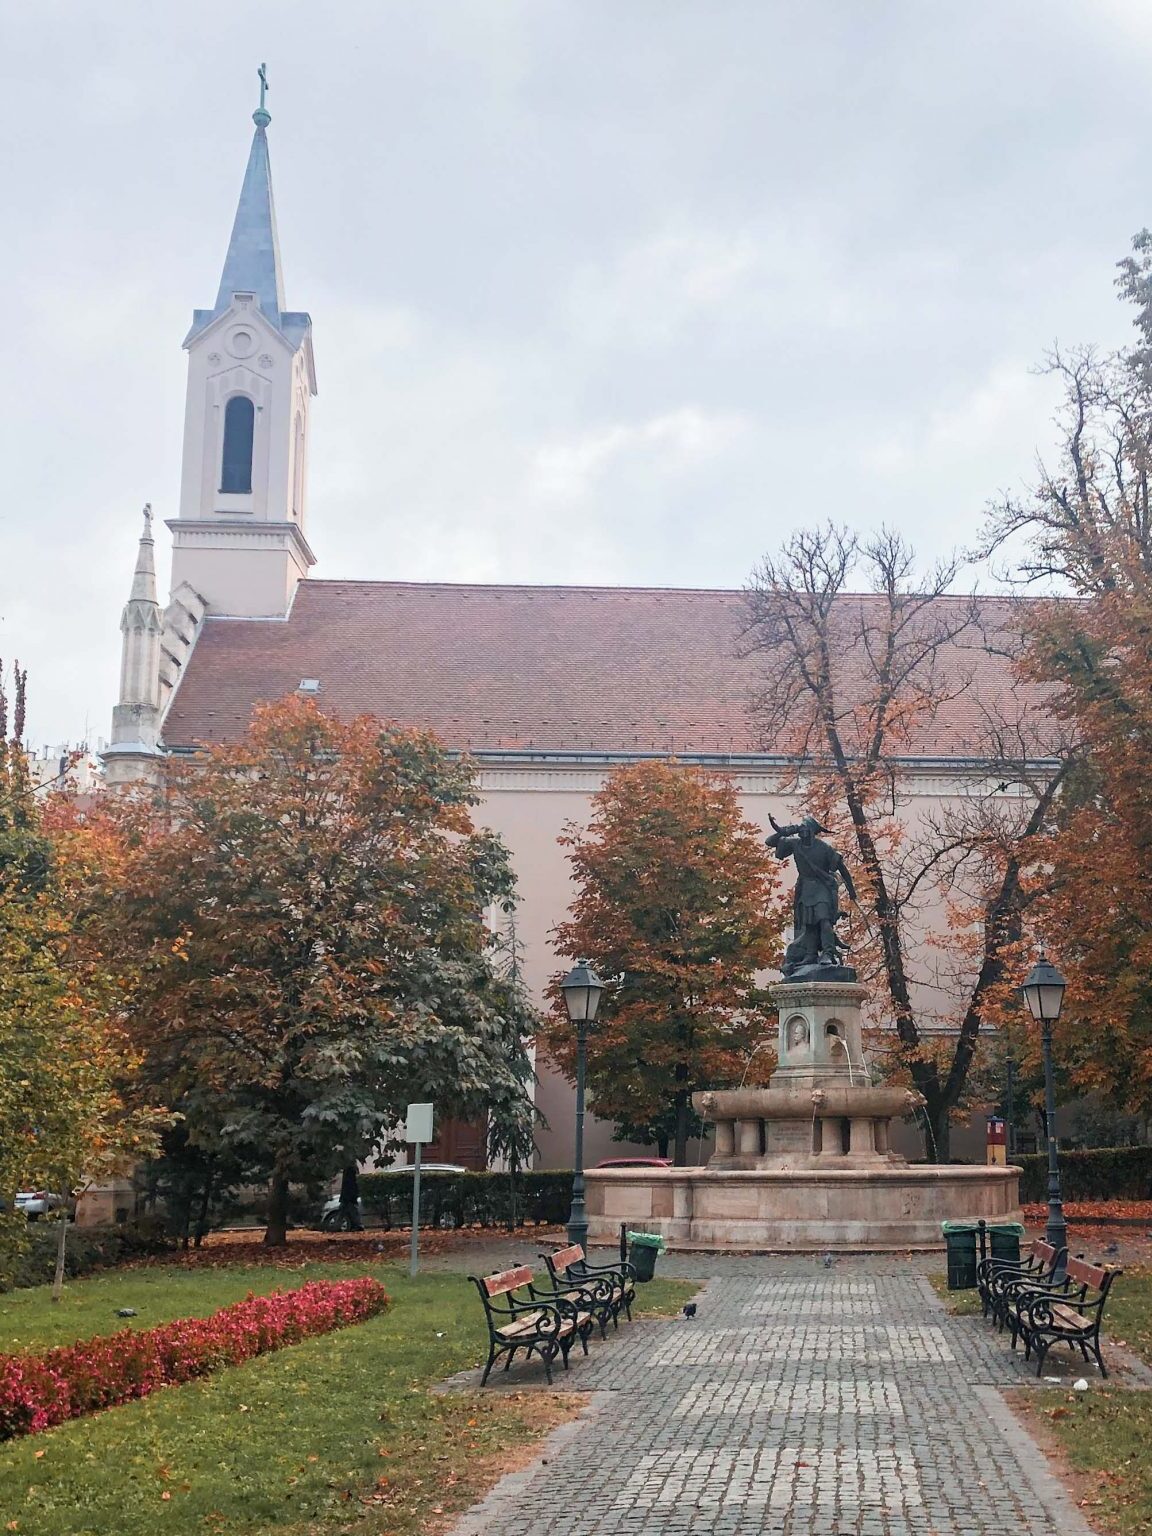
(635, 1162)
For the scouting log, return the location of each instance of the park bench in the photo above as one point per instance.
(997, 1279)
(606, 1290)
(1044, 1316)
(546, 1325)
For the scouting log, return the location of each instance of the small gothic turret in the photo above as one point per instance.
(134, 750)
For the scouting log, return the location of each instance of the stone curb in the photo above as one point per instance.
(1035, 1466)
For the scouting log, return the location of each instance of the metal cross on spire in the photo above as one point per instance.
(262, 117)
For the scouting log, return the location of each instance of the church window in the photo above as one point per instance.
(236, 462)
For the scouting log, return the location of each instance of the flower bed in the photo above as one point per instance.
(39, 1391)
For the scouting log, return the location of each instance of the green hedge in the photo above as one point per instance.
(87, 1249)
(1101, 1173)
(470, 1199)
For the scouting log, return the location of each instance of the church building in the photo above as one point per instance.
(547, 687)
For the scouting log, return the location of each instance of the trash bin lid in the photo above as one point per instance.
(646, 1239)
(1007, 1228)
(959, 1226)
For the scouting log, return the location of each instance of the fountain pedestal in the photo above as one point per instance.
(805, 1163)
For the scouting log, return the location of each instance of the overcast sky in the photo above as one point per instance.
(611, 291)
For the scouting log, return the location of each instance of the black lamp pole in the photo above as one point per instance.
(1044, 994)
(581, 988)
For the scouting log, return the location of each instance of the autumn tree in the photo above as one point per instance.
(316, 949)
(853, 690)
(66, 1066)
(1085, 530)
(678, 908)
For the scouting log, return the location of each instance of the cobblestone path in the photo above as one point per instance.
(799, 1400)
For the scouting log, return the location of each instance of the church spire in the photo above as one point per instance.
(252, 264)
(144, 576)
(251, 378)
(131, 755)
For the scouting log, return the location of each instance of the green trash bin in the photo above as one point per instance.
(643, 1249)
(1004, 1240)
(960, 1238)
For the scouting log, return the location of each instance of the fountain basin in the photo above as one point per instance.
(893, 1206)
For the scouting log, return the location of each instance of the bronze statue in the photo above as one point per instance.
(815, 946)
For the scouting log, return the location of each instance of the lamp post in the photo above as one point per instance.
(581, 988)
(1044, 993)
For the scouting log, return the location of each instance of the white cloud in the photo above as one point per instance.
(569, 471)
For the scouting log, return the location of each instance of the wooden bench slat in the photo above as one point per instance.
(525, 1324)
(1091, 1275)
(507, 1280)
(1068, 1317)
(566, 1257)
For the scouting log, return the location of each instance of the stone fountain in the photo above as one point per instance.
(806, 1163)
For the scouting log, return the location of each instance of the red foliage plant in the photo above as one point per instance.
(40, 1391)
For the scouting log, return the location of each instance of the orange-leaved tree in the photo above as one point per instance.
(678, 908)
(67, 1069)
(316, 955)
(1086, 528)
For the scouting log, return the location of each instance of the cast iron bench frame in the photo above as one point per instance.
(997, 1280)
(1043, 1317)
(548, 1325)
(606, 1289)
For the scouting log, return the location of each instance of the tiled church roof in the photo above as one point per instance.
(600, 669)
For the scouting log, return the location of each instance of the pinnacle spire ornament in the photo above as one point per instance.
(262, 117)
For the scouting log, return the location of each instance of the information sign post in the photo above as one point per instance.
(418, 1132)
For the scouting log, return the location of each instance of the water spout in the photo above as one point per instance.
(843, 1044)
(762, 1045)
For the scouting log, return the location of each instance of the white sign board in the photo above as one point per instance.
(418, 1126)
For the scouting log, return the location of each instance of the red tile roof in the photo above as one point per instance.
(600, 669)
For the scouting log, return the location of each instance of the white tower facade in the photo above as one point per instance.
(239, 540)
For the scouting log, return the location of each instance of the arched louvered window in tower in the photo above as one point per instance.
(236, 460)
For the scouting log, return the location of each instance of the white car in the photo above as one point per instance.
(37, 1203)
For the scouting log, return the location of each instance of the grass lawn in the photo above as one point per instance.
(1103, 1435)
(962, 1303)
(338, 1434)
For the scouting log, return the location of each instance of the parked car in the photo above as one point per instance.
(37, 1203)
(635, 1162)
(333, 1216)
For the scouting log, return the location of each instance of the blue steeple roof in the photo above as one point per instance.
(252, 264)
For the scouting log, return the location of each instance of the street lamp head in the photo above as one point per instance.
(1044, 991)
(581, 988)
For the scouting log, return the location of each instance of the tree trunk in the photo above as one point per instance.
(680, 1156)
(937, 1131)
(661, 1146)
(276, 1235)
(205, 1203)
(350, 1198)
(61, 1252)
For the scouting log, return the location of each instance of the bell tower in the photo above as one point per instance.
(239, 540)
